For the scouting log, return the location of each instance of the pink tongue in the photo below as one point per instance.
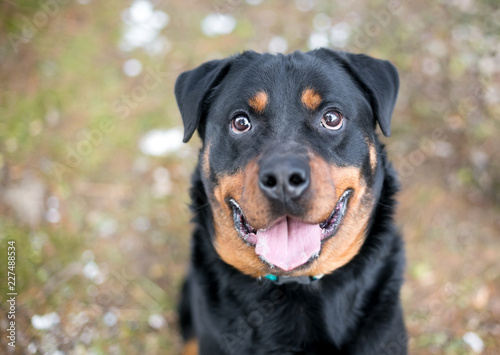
(289, 243)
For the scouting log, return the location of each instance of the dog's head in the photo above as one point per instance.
(289, 158)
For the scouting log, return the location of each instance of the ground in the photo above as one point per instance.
(93, 178)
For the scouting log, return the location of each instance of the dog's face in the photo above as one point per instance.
(289, 159)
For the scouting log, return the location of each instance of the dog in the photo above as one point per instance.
(294, 248)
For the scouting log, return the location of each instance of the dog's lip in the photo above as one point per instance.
(328, 227)
(244, 229)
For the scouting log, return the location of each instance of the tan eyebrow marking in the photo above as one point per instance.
(310, 98)
(259, 101)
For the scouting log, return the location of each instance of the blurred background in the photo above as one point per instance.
(94, 177)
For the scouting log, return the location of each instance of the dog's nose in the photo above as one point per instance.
(284, 177)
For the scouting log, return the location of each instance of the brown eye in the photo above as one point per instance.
(241, 124)
(332, 120)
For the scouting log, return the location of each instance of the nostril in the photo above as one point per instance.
(296, 180)
(269, 181)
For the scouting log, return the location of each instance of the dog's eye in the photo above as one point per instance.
(332, 120)
(241, 124)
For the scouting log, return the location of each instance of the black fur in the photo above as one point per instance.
(354, 310)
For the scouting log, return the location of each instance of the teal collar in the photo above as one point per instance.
(280, 280)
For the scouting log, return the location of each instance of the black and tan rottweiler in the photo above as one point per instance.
(294, 248)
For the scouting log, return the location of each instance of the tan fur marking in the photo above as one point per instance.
(346, 243)
(191, 347)
(323, 189)
(259, 101)
(206, 162)
(243, 187)
(373, 155)
(328, 183)
(310, 99)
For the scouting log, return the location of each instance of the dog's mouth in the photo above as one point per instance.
(289, 243)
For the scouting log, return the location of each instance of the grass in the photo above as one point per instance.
(112, 264)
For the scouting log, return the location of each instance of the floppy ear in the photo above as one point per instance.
(378, 78)
(192, 89)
